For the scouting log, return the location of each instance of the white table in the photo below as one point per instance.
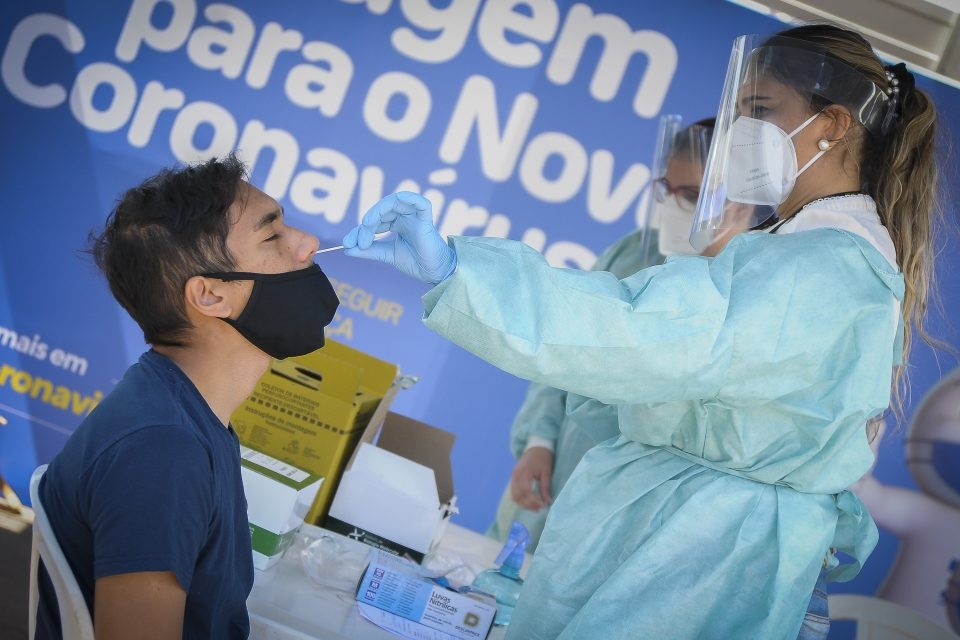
(286, 604)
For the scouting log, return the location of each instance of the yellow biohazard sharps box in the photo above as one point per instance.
(312, 410)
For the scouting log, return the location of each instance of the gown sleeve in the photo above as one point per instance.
(770, 315)
(541, 415)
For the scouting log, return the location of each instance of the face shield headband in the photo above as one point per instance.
(815, 74)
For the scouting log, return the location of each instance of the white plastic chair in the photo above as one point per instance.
(74, 616)
(884, 620)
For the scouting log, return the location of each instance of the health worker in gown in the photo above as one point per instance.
(742, 382)
(547, 442)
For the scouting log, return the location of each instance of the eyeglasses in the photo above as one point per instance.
(686, 196)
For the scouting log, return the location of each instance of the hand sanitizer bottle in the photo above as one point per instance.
(504, 582)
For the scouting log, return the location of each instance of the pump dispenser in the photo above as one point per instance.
(504, 582)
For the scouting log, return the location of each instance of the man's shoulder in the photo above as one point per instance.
(148, 443)
(101, 460)
(151, 392)
(142, 410)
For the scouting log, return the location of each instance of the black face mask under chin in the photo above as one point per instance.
(286, 312)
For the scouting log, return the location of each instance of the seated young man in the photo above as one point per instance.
(146, 498)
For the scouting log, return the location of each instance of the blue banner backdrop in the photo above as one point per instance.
(528, 119)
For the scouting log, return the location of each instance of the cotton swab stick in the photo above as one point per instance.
(337, 248)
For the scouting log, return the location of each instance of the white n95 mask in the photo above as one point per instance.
(762, 165)
(675, 223)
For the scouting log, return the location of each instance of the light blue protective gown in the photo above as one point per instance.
(544, 410)
(743, 383)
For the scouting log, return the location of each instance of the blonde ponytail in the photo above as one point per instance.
(902, 177)
(898, 170)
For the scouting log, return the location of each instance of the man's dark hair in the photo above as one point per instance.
(162, 233)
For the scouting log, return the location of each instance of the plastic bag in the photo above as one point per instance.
(331, 563)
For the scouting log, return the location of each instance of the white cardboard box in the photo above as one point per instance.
(397, 495)
(278, 498)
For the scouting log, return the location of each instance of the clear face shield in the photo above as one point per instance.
(775, 88)
(676, 172)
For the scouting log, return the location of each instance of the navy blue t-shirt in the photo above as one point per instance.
(150, 481)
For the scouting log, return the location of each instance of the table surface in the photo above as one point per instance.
(286, 604)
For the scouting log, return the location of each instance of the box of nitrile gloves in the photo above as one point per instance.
(398, 586)
(278, 498)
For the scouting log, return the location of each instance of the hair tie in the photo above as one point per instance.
(900, 83)
(899, 79)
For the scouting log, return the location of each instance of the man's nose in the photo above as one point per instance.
(309, 244)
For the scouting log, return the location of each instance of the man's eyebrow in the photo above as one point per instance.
(268, 219)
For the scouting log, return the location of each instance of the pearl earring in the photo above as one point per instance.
(824, 144)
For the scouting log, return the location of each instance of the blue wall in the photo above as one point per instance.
(64, 166)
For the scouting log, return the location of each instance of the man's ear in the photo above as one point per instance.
(208, 296)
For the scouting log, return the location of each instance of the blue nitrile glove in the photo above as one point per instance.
(416, 248)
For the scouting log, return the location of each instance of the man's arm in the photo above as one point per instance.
(151, 508)
(147, 605)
